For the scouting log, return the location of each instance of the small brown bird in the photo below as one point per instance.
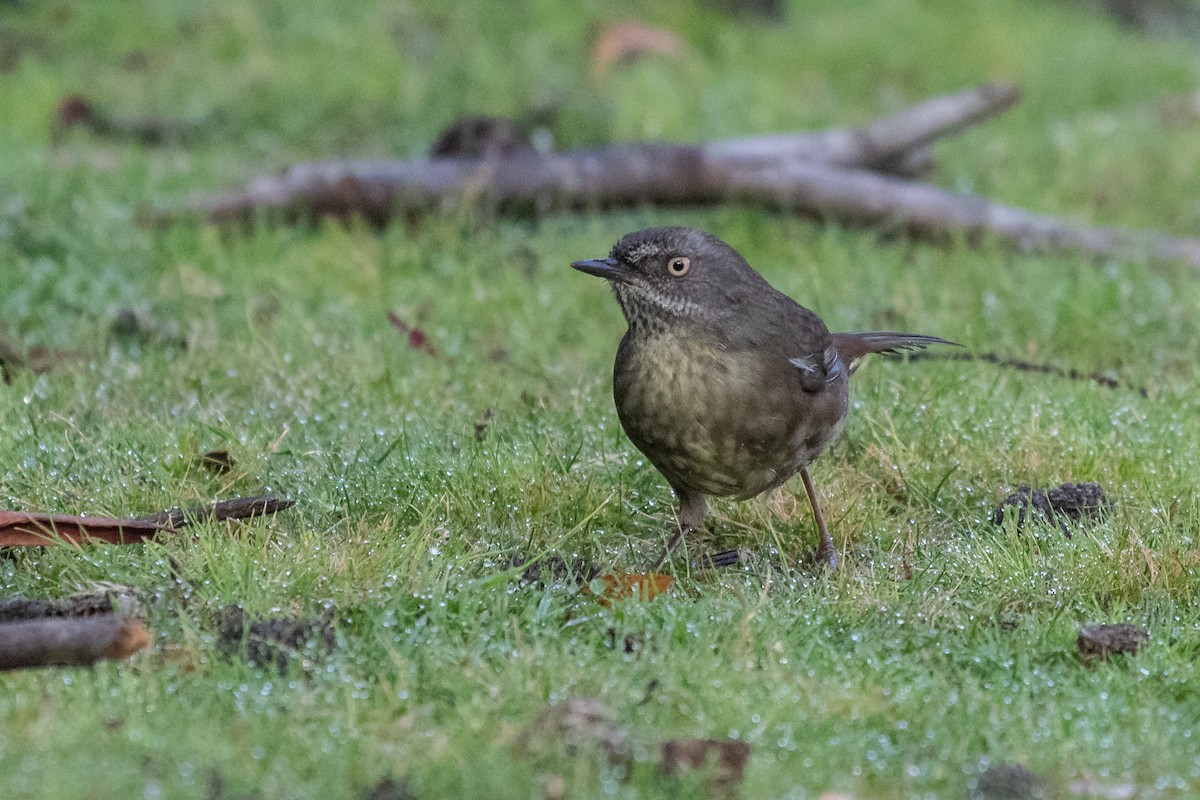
(728, 386)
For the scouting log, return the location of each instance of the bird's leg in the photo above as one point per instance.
(692, 509)
(825, 552)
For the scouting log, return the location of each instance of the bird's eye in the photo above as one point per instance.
(679, 266)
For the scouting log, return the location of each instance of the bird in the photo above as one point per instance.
(728, 386)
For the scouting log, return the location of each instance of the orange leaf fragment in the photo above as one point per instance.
(642, 588)
(625, 42)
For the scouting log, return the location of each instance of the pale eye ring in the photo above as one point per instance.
(679, 266)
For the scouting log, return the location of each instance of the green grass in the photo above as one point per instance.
(944, 644)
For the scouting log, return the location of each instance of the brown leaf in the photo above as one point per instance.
(643, 588)
(627, 41)
(28, 529)
(725, 759)
(24, 529)
(133, 636)
(417, 339)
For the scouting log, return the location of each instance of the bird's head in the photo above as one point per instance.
(666, 275)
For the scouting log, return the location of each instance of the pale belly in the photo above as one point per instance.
(722, 423)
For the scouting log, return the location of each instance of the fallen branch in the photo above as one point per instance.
(628, 174)
(70, 641)
(26, 529)
(114, 599)
(921, 209)
(834, 174)
(240, 508)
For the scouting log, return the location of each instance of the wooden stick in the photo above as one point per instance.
(70, 641)
(239, 508)
(862, 197)
(626, 174)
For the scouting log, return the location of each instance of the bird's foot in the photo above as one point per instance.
(824, 557)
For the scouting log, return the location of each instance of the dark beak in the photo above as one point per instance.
(607, 268)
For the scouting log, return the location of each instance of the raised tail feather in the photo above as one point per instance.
(853, 346)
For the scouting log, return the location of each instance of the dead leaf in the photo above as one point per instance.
(133, 636)
(29, 529)
(417, 339)
(24, 529)
(643, 588)
(627, 41)
(724, 759)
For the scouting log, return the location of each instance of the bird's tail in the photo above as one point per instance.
(853, 346)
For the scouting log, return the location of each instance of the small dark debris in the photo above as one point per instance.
(216, 790)
(577, 725)
(555, 569)
(1101, 641)
(37, 359)
(218, 462)
(120, 599)
(1071, 503)
(483, 423)
(76, 110)
(726, 758)
(136, 60)
(725, 558)
(1006, 781)
(273, 641)
(630, 643)
(479, 136)
(770, 10)
(131, 325)
(389, 789)
(1164, 19)
(417, 338)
